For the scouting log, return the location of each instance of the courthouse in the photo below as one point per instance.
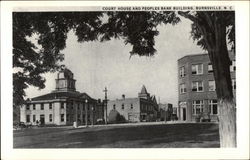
(63, 106)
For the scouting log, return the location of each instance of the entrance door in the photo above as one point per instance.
(184, 114)
(42, 119)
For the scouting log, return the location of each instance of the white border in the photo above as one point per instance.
(242, 59)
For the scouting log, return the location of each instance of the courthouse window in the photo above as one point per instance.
(211, 85)
(50, 117)
(34, 118)
(62, 117)
(197, 69)
(62, 105)
(50, 105)
(28, 107)
(233, 66)
(42, 106)
(197, 86)
(182, 72)
(234, 84)
(198, 106)
(27, 118)
(67, 117)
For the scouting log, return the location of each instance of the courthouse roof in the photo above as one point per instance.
(58, 95)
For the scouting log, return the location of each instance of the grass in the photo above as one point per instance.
(188, 135)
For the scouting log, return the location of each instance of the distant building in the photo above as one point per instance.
(166, 111)
(141, 108)
(197, 91)
(63, 106)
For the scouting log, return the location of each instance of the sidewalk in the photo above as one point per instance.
(137, 124)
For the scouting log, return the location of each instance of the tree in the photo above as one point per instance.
(30, 61)
(209, 29)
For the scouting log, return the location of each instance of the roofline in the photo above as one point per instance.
(192, 55)
(124, 99)
(201, 54)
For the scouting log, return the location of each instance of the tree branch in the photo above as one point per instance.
(188, 16)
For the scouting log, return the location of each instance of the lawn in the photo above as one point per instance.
(185, 135)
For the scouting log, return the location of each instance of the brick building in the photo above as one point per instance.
(142, 108)
(197, 95)
(63, 106)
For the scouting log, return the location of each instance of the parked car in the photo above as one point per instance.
(19, 125)
(100, 121)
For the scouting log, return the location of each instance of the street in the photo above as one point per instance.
(176, 135)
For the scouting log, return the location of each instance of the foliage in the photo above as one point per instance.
(203, 26)
(30, 61)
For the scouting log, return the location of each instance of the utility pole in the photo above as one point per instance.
(105, 104)
(86, 112)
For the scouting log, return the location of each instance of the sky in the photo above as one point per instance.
(108, 64)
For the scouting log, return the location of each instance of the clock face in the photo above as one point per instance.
(61, 75)
(61, 84)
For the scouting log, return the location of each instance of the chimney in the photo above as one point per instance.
(123, 96)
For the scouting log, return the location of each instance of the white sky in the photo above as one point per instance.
(96, 65)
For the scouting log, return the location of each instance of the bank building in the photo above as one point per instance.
(63, 106)
(197, 90)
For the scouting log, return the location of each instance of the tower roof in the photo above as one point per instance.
(67, 73)
(144, 90)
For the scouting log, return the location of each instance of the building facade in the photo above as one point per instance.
(63, 106)
(166, 111)
(197, 90)
(142, 108)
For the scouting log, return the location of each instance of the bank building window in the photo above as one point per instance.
(183, 88)
(197, 106)
(34, 106)
(197, 69)
(197, 86)
(210, 68)
(213, 106)
(182, 72)
(211, 85)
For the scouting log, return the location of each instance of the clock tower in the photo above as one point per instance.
(65, 81)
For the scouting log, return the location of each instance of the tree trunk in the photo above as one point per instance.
(221, 64)
(227, 123)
